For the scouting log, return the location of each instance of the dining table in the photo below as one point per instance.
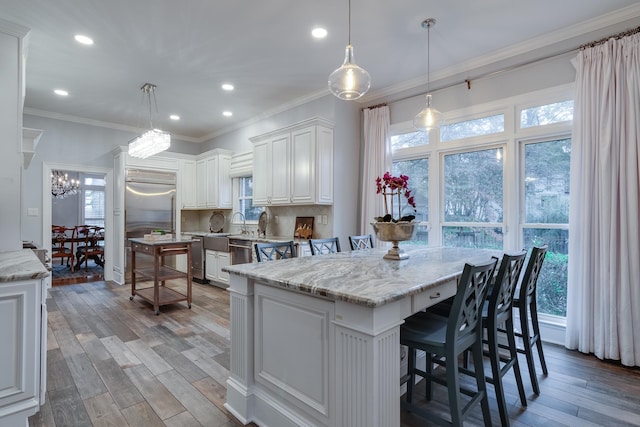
(315, 340)
(94, 240)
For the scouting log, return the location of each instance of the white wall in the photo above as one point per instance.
(11, 45)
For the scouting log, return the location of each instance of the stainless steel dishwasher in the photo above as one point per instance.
(241, 251)
(197, 259)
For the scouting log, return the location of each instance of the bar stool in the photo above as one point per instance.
(528, 307)
(324, 246)
(361, 242)
(273, 251)
(497, 311)
(449, 337)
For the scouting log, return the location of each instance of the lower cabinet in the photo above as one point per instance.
(215, 261)
(23, 357)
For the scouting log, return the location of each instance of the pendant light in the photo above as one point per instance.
(429, 118)
(154, 140)
(349, 81)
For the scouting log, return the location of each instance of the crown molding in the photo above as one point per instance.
(98, 123)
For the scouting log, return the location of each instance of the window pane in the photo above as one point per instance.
(547, 114)
(93, 207)
(418, 172)
(473, 237)
(247, 186)
(251, 213)
(552, 282)
(469, 128)
(547, 182)
(411, 139)
(473, 186)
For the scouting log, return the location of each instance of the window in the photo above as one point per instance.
(547, 114)
(92, 196)
(473, 199)
(476, 127)
(546, 206)
(244, 191)
(501, 181)
(418, 172)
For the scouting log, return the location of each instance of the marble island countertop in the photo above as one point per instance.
(364, 277)
(21, 265)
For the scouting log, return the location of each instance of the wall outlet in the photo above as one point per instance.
(319, 219)
(324, 219)
(276, 219)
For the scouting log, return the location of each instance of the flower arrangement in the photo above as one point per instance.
(390, 186)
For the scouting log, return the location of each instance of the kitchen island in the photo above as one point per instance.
(316, 340)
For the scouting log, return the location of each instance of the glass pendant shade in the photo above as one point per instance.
(429, 118)
(349, 81)
(149, 143)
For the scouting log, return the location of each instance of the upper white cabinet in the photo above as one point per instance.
(188, 184)
(294, 165)
(211, 185)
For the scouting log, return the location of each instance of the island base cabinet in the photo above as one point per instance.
(23, 350)
(295, 360)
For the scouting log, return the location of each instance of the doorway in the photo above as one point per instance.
(91, 205)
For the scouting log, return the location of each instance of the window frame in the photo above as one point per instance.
(82, 197)
(236, 186)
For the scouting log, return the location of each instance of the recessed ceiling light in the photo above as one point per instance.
(174, 117)
(227, 113)
(227, 86)
(319, 33)
(61, 92)
(83, 39)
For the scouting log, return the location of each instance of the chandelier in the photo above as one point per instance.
(153, 141)
(62, 186)
(429, 118)
(350, 81)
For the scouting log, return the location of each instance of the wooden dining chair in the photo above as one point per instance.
(92, 246)
(361, 242)
(62, 245)
(324, 246)
(274, 251)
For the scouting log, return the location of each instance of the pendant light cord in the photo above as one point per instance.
(349, 25)
(428, 56)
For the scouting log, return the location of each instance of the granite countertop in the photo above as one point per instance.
(21, 265)
(364, 277)
(266, 239)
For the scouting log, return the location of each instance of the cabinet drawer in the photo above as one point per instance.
(137, 247)
(433, 296)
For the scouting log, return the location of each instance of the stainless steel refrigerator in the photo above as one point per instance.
(149, 205)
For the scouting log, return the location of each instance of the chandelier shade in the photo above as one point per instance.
(428, 118)
(350, 81)
(153, 141)
(62, 186)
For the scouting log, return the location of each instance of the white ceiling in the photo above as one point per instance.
(189, 48)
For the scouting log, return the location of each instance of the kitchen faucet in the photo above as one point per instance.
(244, 222)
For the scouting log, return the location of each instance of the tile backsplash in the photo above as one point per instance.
(281, 220)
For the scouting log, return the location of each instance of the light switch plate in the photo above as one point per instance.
(32, 211)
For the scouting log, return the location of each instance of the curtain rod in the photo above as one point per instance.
(520, 65)
(615, 36)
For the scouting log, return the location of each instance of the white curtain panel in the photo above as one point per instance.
(603, 301)
(377, 160)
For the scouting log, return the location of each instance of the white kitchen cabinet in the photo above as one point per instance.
(23, 333)
(188, 184)
(294, 165)
(215, 261)
(213, 184)
(201, 183)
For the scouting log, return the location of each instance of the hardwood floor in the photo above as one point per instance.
(112, 362)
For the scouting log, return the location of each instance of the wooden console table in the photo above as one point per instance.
(159, 294)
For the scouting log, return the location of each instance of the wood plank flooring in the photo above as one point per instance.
(112, 362)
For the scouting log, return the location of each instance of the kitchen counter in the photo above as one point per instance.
(21, 265)
(339, 314)
(266, 239)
